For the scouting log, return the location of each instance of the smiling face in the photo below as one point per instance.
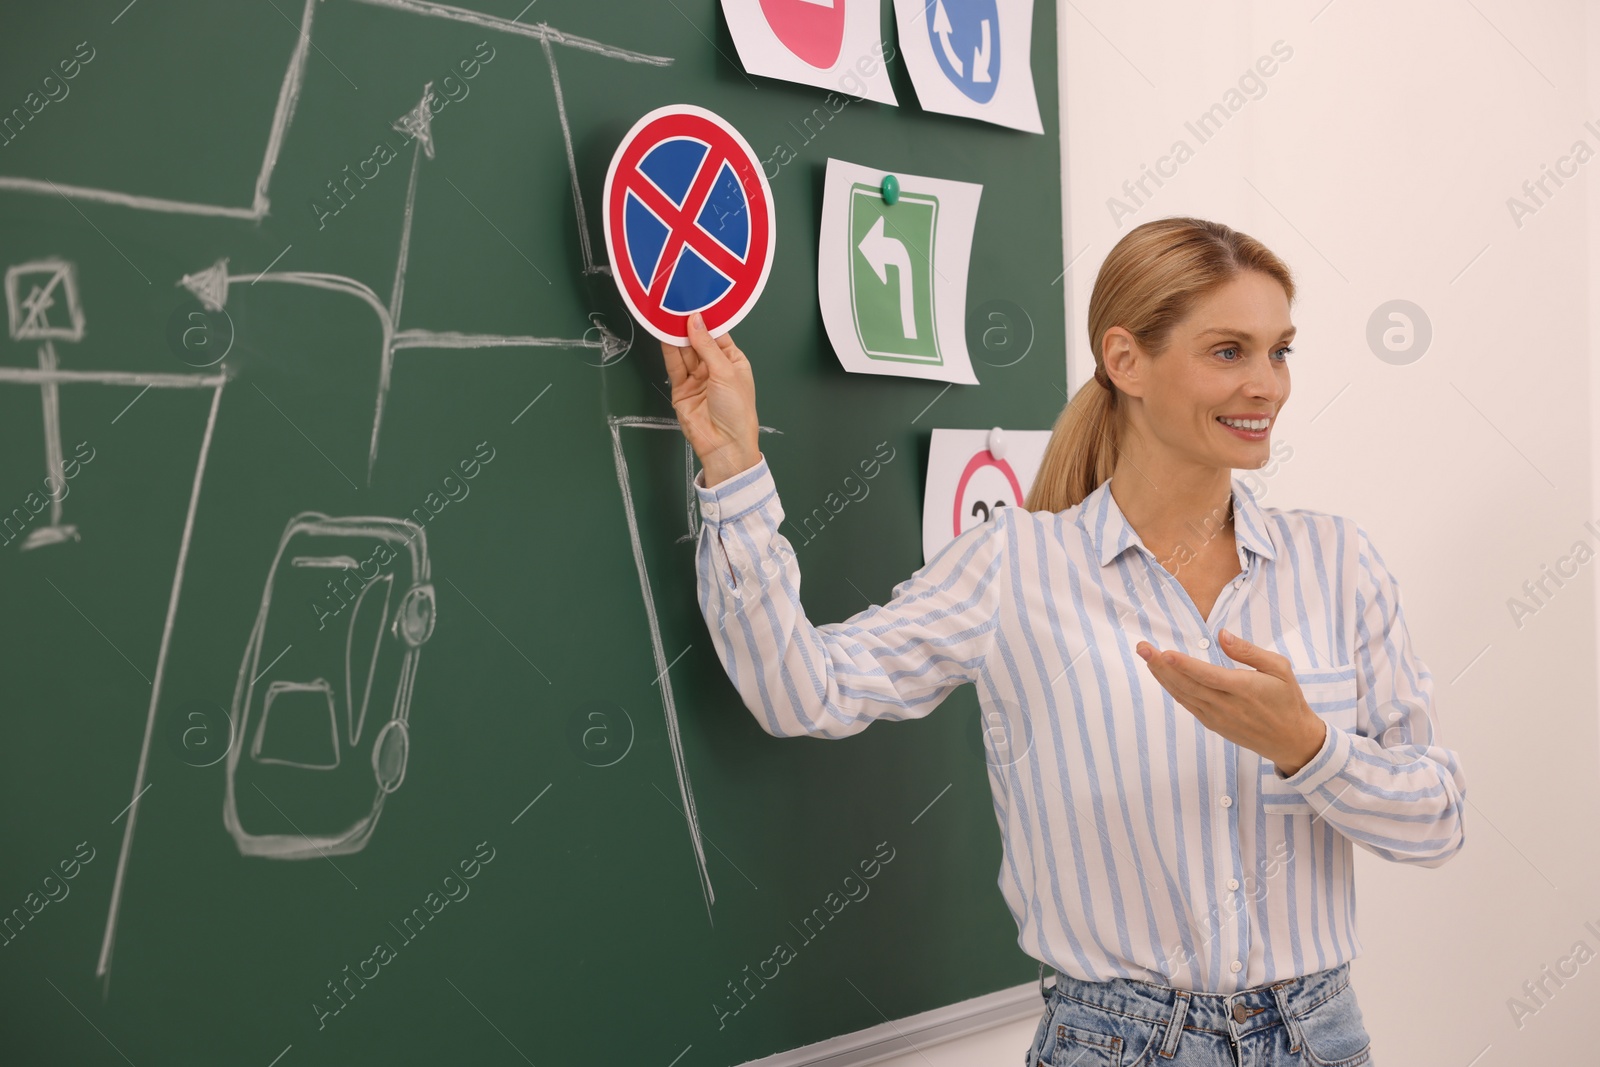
(1211, 397)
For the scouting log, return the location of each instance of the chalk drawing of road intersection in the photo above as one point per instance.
(349, 715)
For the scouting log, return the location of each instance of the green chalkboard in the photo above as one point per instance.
(263, 466)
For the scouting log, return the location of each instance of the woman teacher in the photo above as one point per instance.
(1220, 699)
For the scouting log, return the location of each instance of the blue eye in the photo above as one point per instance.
(1284, 350)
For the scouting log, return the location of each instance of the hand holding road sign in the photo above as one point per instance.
(714, 397)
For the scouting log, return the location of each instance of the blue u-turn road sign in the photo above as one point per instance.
(966, 42)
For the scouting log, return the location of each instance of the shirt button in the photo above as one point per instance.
(1204, 643)
(1233, 883)
(709, 510)
(1237, 582)
(1227, 801)
(1235, 966)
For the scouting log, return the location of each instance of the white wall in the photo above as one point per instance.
(1378, 163)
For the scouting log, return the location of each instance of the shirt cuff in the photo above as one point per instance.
(1332, 758)
(735, 497)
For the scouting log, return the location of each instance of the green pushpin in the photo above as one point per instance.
(891, 189)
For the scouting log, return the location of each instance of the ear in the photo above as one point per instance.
(1121, 354)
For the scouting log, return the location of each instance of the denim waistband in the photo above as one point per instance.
(1236, 1013)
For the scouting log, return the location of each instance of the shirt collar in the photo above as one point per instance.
(1112, 534)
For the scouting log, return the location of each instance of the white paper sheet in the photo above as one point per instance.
(892, 279)
(832, 44)
(972, 58)
(966, 483)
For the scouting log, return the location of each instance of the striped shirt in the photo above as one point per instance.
(1136, 843)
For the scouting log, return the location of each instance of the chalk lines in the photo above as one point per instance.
(337, 283)
(398, 291)
(289, 98)
(213, 291)
(572, 164)
(28, 317)
(305, 35)
(54, 465)
(212, 287)
(451, 339)
(283, 114)
(111, 196)
(373, 658)
(334, 283)
(32, 376)
(540, 31)
(48, 376)
(668, 702)
(669, 708)
(391, 340)
(103, 966)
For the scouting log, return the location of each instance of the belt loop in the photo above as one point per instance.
(1290, 1023)
(1180, 1008)
(1043, 992)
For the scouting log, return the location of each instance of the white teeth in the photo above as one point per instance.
(1246, 424)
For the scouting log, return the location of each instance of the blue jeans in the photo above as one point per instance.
(1310, 1021)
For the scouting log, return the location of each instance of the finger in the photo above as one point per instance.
(709, 350)
(1182, 696)
(1177, 681)
(1200, 673)
(1262, 659)
(673, 356)
(1187, 694)
(729, 349)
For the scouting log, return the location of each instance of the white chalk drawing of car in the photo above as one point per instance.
(321, 707)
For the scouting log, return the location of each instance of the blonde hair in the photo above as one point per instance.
(1149, 281)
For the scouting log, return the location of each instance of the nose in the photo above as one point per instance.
(1265, 383)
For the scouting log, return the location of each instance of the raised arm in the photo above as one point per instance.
(897, 661)
(894, 661)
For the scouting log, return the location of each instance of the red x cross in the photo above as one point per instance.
(724, 148)
(681, 222)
